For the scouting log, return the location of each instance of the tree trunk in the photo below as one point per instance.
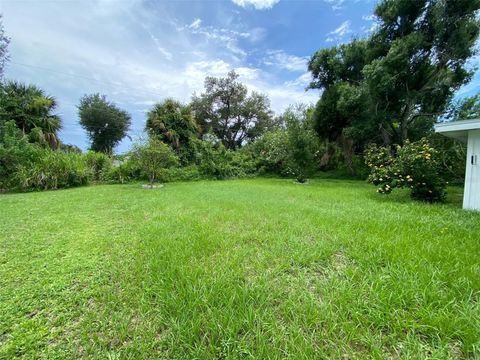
(387, 141)
(347, 145)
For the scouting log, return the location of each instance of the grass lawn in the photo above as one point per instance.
(261, 268)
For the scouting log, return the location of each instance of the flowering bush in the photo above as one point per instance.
(413, 165)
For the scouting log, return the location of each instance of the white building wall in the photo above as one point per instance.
(471, 195)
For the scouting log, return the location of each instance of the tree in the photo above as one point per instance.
(226, 109)
(302, 143)
(105, 123)
(32, 111)
(399, 79)
(4, 41)
(153, 156)
(291, 150)
(173, 123)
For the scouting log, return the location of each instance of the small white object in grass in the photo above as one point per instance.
(148, 186)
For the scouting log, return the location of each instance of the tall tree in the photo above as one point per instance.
(402, 76)
(226, 109)
(31, 109)
(172, 122)
(4, 41)
(105, 123)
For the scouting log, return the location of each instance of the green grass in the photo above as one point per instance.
(260, 268)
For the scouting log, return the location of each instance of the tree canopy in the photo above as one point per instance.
(172, 122)
(226, 109)
(105, 123)
(392, 86)
(32, 110)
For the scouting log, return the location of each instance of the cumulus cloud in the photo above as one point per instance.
(257, 4)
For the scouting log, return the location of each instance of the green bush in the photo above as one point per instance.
(152, 157)
(28, 166)
(187, 173)
(216, 162)
(358, 165)
(127, 170)
(414, 165)
(53, 170)
(271, 152)
(99, 165)
(15, 152)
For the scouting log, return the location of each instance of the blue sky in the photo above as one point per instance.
(139, 52)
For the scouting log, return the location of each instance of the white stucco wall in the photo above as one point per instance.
(471, 195)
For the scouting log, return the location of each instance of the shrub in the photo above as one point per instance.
(217, 162)
(414, 165)
(53, 170)
(15, 152)
(187, 173)
(271, 152)
(28, 166)
(126, 170)
(152, 157)
(98, 164)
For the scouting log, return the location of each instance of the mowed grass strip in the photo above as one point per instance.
(260, 268)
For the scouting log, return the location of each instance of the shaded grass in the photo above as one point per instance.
(259, 268)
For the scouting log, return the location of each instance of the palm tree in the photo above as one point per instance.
(172, 122)
(30, 108)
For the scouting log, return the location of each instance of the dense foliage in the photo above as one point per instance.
(105, 123)
(227, 110)
(29, 166)
(152, 157)
(32, 110)
(174, 124)
(414, 165)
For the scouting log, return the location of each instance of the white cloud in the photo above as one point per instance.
(282, 60)
(370, 29)
(257, 4)
(335, 4)
(339, 33)
(195, 24)
(226, 37)
(371, 17)
(168, 55)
